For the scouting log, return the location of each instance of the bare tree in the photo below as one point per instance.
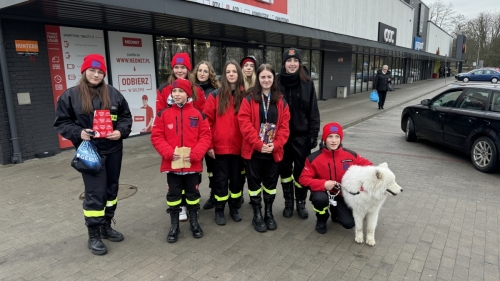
(483, 38)
(443, 15)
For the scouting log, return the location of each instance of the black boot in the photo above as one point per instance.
(95, 243)
(109, 233)
(210, 204)
(219, 215)
(268, 217)
(194, 225)
(288, 195)
(173, 233)
(258, 221)
(321, 227)
(301, 195)
(233, 212)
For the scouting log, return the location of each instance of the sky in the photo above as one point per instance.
(470, 8)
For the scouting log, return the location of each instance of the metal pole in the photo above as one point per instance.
(477, 60)
(16, 155)
(445, 57)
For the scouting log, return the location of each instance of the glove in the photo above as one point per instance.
(313, 142)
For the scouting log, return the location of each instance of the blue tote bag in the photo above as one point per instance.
(374, 96)
(87, 159)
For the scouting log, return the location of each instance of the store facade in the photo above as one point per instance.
(138, 40)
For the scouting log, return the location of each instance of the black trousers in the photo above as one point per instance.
(381, 98)
(296, 151)
(227, 177)
(210, 164)
(262, 175)
(341, 213)
(179, 185)
(101, 191)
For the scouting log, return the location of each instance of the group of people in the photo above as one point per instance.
(253, 125)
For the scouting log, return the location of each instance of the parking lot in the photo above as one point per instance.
(444, 226)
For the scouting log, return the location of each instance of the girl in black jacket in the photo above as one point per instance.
(74, 120)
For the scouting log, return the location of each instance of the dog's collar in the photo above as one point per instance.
(356, 193)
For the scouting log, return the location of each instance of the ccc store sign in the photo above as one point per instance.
(387, 34)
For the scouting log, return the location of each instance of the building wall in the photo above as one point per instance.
(438, 38)
(4, 127)
(358, 18)
(416, 6)
(34, 121)
(335, 73)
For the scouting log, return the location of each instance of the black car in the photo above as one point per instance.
(466, 118)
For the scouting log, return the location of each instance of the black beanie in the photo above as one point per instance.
(292, 52)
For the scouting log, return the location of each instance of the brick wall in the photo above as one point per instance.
(336, 73)
(34, 121)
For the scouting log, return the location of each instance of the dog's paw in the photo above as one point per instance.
(359, 239)
(370, 241)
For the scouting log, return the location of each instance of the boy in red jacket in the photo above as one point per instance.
(323, 172)
(182, 125)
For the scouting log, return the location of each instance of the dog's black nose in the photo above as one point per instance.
(401, 190)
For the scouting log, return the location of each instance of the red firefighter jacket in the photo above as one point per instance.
(226, 135)
(249, 120)
(326, 164)
(181, 127)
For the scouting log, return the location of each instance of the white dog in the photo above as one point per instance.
(364, 189)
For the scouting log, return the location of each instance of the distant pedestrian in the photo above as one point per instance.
(380, 83)
(74, 120)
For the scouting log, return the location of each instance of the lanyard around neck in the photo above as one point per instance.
(266, 108)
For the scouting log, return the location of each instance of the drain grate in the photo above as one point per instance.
(124, 191)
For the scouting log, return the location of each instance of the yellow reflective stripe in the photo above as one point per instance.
(210, 175)
(269, 191)
(298, 185)
(243, 172)
(175, 203)
(111, 203)
(219, 198)
(194, 202)
(285, 180)
(114, 117)
(235, 195)
(321, 212)
(90, 214)
(255, 193)
(183, 192)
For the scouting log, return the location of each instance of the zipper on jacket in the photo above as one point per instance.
(176, 126)
(329, 171)
(182, 134)
(334, 165)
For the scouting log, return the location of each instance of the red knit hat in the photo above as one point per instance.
(183, 84)
(94, 61)
(332, 128)
(182, 59)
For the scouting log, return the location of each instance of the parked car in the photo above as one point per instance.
(466, 118)
(486, 74)
(365, 76)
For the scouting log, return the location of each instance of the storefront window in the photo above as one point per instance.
(353, 75)
(372, 71)
(234, 53)
(257, 53)
(166, 48)
(359, 73)
(366, 71)
(306, 58)
(208, 51)
(273, 57)
(316, 72)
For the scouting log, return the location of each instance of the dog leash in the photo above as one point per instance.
(331, 196)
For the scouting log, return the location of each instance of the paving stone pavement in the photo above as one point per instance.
(444, 226)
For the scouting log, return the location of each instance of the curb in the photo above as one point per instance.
(369, 116)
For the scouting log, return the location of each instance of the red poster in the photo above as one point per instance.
(57, 72)
(280, 6)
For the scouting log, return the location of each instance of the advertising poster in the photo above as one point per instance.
(132, 62)
(67, 46)
(269, 9)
